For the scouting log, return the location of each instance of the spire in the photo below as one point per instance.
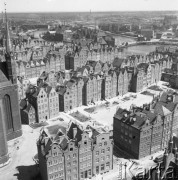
(2, 17)
(8, 41)
(11, 66)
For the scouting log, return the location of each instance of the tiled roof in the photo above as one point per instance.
(117, 62)
(53, 130)
(139, 122)
(163, 108)
(3, 78)
(47, 88)
(101, 34)
(63, 143)
(78, 136)
(103, 42)
(69, 83)
(143, 66)
(23, 104)
(28, 108)
(61, 90)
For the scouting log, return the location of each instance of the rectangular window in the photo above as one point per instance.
(102, 167)
(81, 175)
(84, 165)
(100, 144)
(75, 169)
(108, 149)
(105, 143)
(102, 151)
(81, 150)
(97, 153)
(89, 157)
(89, 172)
(69, 171)
(68, 164)
(74, 155)
(97, 169)
(75, 176)
(97, 160)
(89, 164)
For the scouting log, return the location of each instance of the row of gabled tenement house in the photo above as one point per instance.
(75, 153)
(142, 131)
(56, 60)
(91, 83)
(68, 58)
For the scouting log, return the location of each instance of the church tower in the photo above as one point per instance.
(10, 122)
(9, 56)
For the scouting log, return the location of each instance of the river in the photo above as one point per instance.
(137, 49)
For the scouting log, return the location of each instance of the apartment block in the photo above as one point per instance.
(142, 131)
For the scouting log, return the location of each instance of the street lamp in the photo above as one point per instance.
(120, 164)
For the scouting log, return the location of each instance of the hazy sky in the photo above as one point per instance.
(86, 5)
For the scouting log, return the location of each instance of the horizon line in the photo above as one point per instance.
(91, 11)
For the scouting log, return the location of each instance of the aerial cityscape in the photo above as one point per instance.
(89, 90)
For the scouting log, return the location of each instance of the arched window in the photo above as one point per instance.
(8, 113)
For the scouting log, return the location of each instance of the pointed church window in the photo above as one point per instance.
(8, 113)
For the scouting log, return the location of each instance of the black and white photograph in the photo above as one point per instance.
(88, 89)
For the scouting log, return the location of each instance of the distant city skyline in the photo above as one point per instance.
(87, 5)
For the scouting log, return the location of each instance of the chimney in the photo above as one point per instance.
(93, 124)
(125, 115)
(74, 132)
